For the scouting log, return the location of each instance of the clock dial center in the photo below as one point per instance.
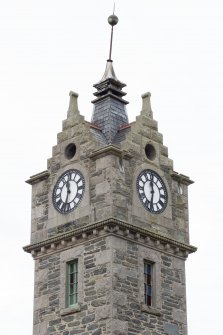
(69, 191)
(151, 191)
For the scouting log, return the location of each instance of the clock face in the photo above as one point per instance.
(152, 191)
(68, 191)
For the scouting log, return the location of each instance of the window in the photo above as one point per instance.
(148, 283)
(72, 283)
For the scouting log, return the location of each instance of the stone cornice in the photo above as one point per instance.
(110, 149)
(181, 178)
(107, 227)
(38, 177)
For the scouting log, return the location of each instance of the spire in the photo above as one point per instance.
(109, 106)
(112, 20)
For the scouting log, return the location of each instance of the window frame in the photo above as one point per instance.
(72, 281)
(148, 283)
(68, 256)
(152, 257)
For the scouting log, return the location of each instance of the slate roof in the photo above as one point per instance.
(99, 136)
(109, 112)
(120, 135)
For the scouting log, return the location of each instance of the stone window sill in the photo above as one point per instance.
(150, 310)
(70, 310)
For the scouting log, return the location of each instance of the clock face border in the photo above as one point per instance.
(61, 184)
(160, 188)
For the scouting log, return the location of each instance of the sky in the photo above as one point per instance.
(174, 49)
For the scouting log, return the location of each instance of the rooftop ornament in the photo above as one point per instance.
(112, 20)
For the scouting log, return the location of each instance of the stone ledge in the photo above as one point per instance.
(150, 310)
(70, 310)
(114, 227)
(36, 178)
(181, 178)
(110, 149)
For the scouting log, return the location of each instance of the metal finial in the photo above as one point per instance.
(112, 20)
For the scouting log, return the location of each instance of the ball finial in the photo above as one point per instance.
(113, 20)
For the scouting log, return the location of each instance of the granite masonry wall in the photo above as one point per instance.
(110, 291)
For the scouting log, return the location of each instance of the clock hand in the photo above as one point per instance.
(152, 193)
(68, 190)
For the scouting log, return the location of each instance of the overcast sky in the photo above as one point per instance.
(172, 49)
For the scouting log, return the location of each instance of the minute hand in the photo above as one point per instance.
(68, 190)
(152, 195)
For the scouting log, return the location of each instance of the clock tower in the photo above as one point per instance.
(110, 230)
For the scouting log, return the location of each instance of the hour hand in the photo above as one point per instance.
(68, 186)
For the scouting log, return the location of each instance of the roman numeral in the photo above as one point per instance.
(63, 180)
(147, 203)
(141, 184)
(58, 202)
(58, 191)
(78, 179)
(72, 176)
(163, 196)
(63, 207)
(148, 176)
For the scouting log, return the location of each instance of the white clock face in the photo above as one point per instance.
(68, 191)
(152, 191)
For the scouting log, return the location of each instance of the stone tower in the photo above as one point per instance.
(109, 231)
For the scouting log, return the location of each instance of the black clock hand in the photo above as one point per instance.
(68, 191)
(152, 193)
